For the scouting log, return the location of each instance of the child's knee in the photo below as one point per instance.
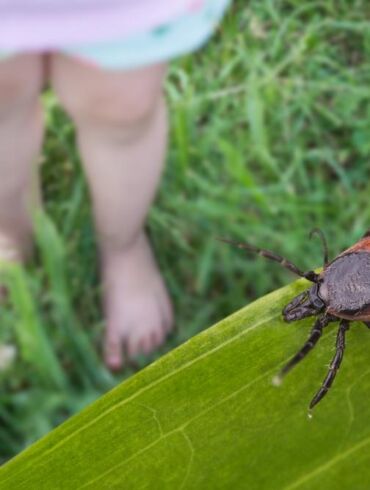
(107, 99)
(21, 81)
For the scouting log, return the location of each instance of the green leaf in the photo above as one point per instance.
(207, 416)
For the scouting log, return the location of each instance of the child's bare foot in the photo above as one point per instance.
(137, 306)
(121, 122)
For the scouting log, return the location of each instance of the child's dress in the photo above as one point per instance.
(117, 34)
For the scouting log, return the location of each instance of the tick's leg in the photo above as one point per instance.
(334, 365)
(367, 324)
(306, 348)
(310, 275)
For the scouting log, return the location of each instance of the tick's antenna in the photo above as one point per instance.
(320, 234)
(310, 275)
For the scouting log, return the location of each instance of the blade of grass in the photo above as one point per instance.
(33, 342)
(88, 365)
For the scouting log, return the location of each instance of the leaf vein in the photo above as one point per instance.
(191, 459)
(148, 387)
(179, 428)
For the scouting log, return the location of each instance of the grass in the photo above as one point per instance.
(270, 136)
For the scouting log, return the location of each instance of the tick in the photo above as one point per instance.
(340, 292)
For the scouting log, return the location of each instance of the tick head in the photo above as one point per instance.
(306, 304)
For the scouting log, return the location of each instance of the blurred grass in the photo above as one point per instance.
(270, 136)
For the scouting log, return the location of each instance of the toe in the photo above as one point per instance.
(157, 338)
(113, 350)
(150, 339)
(144, 345)
(134, 346)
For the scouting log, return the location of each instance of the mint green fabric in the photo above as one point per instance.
(181, 36)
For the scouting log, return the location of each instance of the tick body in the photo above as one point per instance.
(341, 292)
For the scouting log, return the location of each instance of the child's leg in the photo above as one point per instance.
(21, 129)
(121, 124)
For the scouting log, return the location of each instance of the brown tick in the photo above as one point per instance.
(340, 292)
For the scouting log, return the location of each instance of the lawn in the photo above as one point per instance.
(270, 137)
